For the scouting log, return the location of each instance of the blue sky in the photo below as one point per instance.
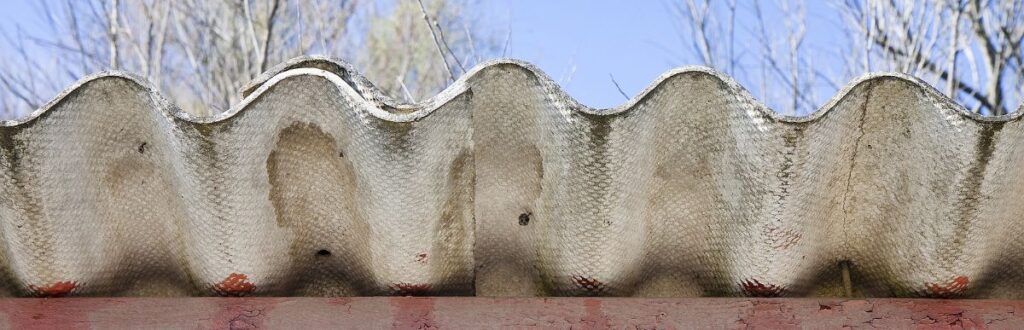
(635, 41)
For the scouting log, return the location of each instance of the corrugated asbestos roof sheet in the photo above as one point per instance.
(316, 184)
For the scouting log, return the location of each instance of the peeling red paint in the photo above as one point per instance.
(516, 313)
(413, 313)
(589, 284)
(594, 317)
(244, 313)
(771, 314)
(409, 289)
(235, 285)
(65, 313)
(54, 290)
(754, 288)
(340, 301)
(954, 288)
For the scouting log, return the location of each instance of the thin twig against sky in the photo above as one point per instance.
(437, 41)
(617, 87)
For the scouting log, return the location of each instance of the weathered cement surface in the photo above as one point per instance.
(502, 185)
(482, 313)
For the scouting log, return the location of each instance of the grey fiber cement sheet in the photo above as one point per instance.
(317, 184)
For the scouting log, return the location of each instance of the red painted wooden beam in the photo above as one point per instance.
(462, 313)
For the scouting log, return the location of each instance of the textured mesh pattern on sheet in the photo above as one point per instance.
(502, 185)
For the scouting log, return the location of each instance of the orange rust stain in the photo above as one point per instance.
(754, 288)
(409, 289)
(235, 285)
(54, 290)
(953, 288)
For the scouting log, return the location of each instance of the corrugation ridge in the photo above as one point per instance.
(552, 87)
(350, 81)
(170, 110)
(381, 105)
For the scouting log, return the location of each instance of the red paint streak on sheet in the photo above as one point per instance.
(235, 285)
(754, 288)
(954, 288)
(409, 289)
(54, 290)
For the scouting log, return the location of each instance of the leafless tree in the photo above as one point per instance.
(774, 59)
(970, 49)
(203, 52)
(402, 56)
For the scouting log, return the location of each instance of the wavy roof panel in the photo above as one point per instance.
(502, 185)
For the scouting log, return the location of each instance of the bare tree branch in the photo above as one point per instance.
(112, 34)
(617, 87)
(269, 35)
(437, 41)
(927, 64)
